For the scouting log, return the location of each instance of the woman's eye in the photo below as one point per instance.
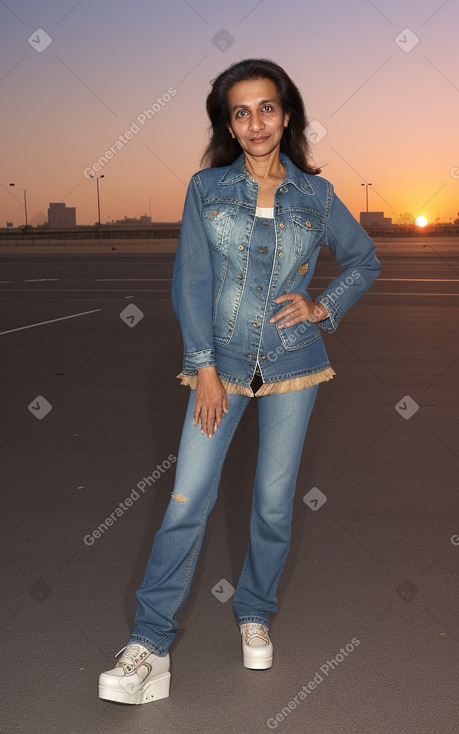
(267, 108)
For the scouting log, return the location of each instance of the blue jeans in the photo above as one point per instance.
(283, 420)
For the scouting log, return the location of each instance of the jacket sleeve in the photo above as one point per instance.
(192, 286)
(355, 253)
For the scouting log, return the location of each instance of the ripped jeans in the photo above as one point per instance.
(283, 420)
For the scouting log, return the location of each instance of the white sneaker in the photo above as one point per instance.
(139, 676)
(257, 648)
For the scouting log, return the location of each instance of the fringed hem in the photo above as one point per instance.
(298, 383)
(268, 388)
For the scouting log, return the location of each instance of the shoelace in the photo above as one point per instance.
(132, 655)
(252, 630)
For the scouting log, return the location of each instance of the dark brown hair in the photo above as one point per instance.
(222, 149)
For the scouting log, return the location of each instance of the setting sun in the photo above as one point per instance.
(420, 222)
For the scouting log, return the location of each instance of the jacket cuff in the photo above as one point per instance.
(331, 324)
(192, 361)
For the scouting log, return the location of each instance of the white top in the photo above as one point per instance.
(267, 212)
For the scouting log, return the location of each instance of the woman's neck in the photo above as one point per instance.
(266, 168)
(268, 172)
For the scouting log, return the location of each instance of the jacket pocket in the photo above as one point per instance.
(298, 335)
(218, 220)
(308, 228)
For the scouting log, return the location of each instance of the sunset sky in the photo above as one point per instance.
(381, 78)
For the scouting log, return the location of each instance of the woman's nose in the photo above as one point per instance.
(255, 122)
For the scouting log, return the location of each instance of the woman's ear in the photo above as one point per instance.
(230, 129)
(286, 119)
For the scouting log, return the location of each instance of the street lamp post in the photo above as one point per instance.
(366, 192)
(98, 196)
(25, 203)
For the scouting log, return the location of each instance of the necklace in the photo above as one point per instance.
(268, 177)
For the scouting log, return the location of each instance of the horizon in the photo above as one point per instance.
(127, 88)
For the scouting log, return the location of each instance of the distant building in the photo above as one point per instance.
(374, 219)
(144, 221)
(59, 215)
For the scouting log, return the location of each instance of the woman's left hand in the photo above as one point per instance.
(298, 309)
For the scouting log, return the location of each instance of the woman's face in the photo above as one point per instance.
(257, 120)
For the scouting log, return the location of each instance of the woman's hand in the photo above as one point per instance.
(211, 401)
(298, 309)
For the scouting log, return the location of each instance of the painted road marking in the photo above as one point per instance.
(51, 321)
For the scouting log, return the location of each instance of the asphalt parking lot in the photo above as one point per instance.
(91, 417)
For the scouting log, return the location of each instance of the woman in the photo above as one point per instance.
(253, 224)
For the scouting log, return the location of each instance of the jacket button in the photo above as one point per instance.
(215, 212)
(240, 247)
(254, 323)
(308, 223)
(281, 254)
(251, 356)
(281, 225)
(259, 288)
(262, 250)
(240, 276)
(303, 269)
(263, 356)
(283, 190)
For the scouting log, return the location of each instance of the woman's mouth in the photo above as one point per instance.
(260, 139)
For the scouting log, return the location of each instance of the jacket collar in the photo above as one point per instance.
(238, 172)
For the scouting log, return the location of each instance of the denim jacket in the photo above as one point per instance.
(210, 280)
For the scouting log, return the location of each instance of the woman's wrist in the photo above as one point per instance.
(320, 311)
(207, 373)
